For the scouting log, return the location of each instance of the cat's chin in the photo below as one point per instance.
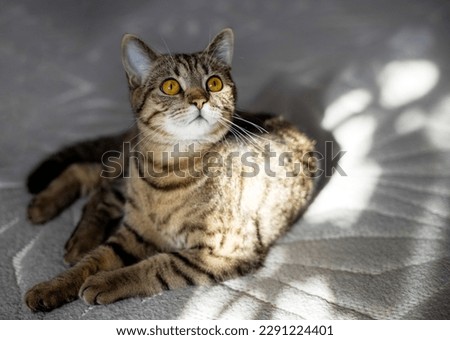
(200, 128)
(197, 130)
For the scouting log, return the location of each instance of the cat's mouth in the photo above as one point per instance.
(198, 125)
(200, 118)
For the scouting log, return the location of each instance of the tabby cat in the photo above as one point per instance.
(197, 193)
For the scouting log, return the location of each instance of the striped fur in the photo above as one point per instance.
(139, 234)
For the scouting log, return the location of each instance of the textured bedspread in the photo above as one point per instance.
(372, 76)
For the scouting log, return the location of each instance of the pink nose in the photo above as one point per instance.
(196, 96)
(199, 102)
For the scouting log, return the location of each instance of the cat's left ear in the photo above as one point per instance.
(137, 59)
(222, 46)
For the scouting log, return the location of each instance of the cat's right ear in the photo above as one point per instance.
(137, 59)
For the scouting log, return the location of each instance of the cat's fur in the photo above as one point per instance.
(140, 234)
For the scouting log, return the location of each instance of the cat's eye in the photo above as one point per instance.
(171, 87)
(214, 84)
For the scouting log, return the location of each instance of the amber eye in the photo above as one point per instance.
(214, 84)
(170, 87)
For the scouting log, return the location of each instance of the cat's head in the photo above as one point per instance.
(181, 97)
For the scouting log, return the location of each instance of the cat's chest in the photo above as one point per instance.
(163, 217)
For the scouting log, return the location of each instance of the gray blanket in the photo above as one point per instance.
(372, 76)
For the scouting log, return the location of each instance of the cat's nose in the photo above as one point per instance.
(199, 102)
(197, 97)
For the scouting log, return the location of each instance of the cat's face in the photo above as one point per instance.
(179, 98)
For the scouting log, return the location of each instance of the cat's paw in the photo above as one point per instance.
(46, 296)
(85, 238)
(73, 255)
(75, 249)
(101, 289)
(41, 210)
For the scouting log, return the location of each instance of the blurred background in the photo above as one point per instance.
(372, 76)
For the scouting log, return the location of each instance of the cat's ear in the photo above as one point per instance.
(222, 46)
(137, 59)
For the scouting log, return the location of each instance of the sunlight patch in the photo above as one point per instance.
(356, 136)
(314, 289)
(200, 306)
(402, 82)
(345, 106)
(410, 120)
(438, 124)
(441, 112)
(345, 196)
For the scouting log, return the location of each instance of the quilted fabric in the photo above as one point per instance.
(372, 76)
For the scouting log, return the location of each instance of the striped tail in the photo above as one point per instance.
(90, 151)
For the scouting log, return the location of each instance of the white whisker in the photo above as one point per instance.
(240, 136)
(150, 135)
(251, 135)
(260, 128)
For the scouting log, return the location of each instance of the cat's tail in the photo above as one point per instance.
(90, 151)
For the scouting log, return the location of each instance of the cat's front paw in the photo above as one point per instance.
(85, 238)
(101, 289)
(76, 249)
(46, 296)
(41, 210)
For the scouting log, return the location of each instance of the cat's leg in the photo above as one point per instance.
(164, 271)
(123, 248)
(101, 217)
(76, 180)
(62, 289)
